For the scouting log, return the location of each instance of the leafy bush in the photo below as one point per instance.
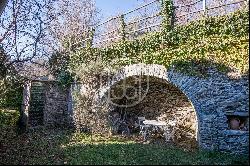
(65, 79)
(10, 84)
(12, 96)
(9, 117)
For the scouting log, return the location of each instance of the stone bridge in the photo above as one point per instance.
(214, 99)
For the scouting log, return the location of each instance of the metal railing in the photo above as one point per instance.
(148, 18)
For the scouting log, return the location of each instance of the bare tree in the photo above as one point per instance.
(71, 24)
(23, 26)
(70, 27)
(32, 29)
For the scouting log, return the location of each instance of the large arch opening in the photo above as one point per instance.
(155, 99)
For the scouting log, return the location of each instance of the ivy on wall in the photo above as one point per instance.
(192, 48)
(167, 10)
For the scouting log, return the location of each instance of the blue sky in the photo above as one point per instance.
(113, 7)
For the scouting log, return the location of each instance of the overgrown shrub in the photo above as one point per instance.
(9, 117)
(90, 116)
(213, 41)
(10, 84)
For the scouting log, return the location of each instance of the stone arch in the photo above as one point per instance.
(152, 70)
(213, 98)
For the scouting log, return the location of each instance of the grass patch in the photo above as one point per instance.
(67, 147)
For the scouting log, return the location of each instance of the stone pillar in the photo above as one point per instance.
(25, 105)
(70, 105)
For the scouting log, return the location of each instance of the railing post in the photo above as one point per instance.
(91, 37)
(24, 117)
(204, 6)
(92, 33)
(247, 4)
(122, 25)
(225, 7)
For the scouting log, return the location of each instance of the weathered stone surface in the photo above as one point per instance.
(56, 108)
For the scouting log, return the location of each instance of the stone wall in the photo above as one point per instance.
(234, 141)
(56, 111)
(214, 98)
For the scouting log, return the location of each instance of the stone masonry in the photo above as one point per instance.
(213, 98)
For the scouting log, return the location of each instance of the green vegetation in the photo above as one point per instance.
(10, 103)
(8, 117)
(12, 97)
(213, 41)
(65, 147)
(10, 86)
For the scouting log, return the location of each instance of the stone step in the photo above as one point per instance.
(37, 104)
(36, 112)
(31, 120)
(36, 109)
(38, 96)
(37, 93)
(37, 88)
(36, 117)
(37, 101)
(37, 84)
(36, 123)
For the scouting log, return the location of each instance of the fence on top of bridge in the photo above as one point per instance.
(148, 18)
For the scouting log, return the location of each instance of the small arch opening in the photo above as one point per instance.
(237, 122)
